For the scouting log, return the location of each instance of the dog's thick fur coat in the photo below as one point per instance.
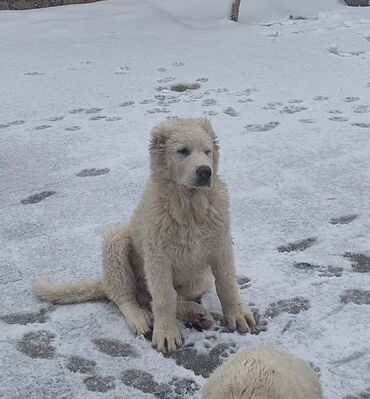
(263, 373)
(177, 241)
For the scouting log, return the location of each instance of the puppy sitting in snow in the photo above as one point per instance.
(176, 243)
(263, 373)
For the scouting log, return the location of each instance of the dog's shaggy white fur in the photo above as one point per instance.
(263, 373)
(177, 241)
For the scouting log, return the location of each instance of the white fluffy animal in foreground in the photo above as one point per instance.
(177, 241)
(263, 373)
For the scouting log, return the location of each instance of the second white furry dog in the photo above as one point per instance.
(263, 373)
(177, 241)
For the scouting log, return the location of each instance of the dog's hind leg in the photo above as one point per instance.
(120, 280)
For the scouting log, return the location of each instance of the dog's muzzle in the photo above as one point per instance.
(204, 174)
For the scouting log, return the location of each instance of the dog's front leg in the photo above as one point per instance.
(237, 314)
(166, 334)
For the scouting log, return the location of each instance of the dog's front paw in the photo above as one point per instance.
(240, 318)
(166, 339)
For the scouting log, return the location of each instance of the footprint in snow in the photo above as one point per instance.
(76, 111)
(292, 109)
(335, 51)
(37, 345)
(56, 118)
(256, 127)
(34, 73)
(92, 110)
(321, 98)
(343, 219)
(362, 125)
(115, 348)
(360, 262)
(231, 111)
(78, 364)
(42, 127)
(307, 121)
(97, 117)
(338, 119)
(299, 245)
(92, 172)
(72, 128)
(126, 104)
(208, 102)
(97, 383)
(361, 109)
(35, 198)
(166, 80)
(17, 123)
(357, 296)
(351, 99)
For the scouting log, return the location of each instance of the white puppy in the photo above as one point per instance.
(177, 241)
(263, 373)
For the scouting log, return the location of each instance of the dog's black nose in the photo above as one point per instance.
(204, 172)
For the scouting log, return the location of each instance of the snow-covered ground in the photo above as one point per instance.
(81, 87)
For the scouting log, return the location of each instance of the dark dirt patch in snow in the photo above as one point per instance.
(292, 306)
(359, 297)
(27, 318)
(144, 381)
(363, 395)
(331, 271)
(37, 345)
(201, 363)
(77, 364)
(305, 266)
(324, 271)
(35, 198)
(300, 245)
(243, 282)
(92, 172)
(99, 384)
(115, 348)
(360, 262)
(343, 219)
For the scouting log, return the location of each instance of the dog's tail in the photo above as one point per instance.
(83, 291)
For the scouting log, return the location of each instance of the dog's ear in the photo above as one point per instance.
(207, 126)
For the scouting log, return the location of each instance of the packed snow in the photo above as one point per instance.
(288, 92)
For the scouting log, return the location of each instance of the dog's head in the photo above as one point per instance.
(185, 151)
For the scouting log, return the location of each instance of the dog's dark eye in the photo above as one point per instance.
(207, 152)
(183, 151)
